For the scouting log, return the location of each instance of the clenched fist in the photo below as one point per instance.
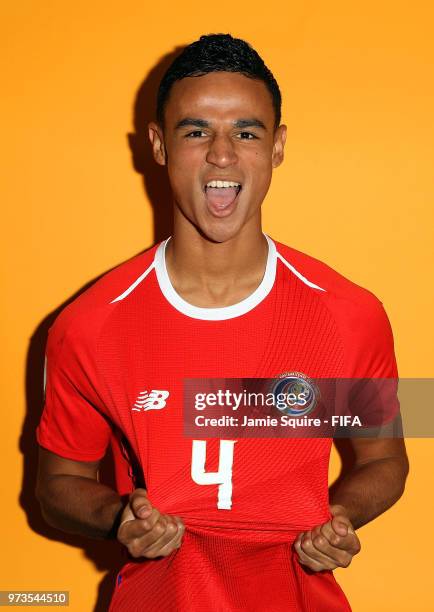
(330, 545)
(145, 531)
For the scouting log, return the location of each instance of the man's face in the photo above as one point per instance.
(218, 127)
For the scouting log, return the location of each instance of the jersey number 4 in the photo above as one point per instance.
(223, 477)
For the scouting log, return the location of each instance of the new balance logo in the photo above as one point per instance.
(155, 400)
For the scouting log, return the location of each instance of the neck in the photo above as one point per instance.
(203, 270)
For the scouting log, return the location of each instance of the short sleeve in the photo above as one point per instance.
(370, 345)
(374, 373)
(72, 423)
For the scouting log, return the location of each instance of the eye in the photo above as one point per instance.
(246, 136)
(194, 134)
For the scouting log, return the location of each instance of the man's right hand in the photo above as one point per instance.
(147, 533)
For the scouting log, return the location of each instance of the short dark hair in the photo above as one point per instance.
(218, 53)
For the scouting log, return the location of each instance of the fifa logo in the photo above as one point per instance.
(154, 400)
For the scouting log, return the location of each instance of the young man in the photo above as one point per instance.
(217, 299)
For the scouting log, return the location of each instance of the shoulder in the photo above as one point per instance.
(359, 314)
(332, 285)
(86, 313)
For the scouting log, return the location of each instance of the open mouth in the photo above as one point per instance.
(223, 185)
(221, 194)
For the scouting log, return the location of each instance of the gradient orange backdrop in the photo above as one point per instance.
(356, 191)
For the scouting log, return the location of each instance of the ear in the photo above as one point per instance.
(157, 141)
(278, 146)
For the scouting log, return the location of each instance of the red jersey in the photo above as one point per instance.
(126, 344)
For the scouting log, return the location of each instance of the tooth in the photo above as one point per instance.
(222, 184)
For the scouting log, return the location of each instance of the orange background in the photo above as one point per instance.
(356, 190)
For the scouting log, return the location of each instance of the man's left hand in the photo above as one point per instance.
(330, 545)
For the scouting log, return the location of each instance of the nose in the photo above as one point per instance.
(221, 152)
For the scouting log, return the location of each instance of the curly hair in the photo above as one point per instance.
(218, 53)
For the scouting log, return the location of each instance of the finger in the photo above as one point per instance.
(309, 549)
(297, 540)
(339, 556)
(163, 544)
(166, 549)
(326, 530)
(304, 559)
(163, 531)
(325, 546)
(152, 519)
(179, 522)
(344, 536)
(138, 546)
(140, 504)
(319, 530)
(137, 528)
(181, 531)
(349, 543)
(340, 525)
(180, 525)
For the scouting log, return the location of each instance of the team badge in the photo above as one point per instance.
(295, 394)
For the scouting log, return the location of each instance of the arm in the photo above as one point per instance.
(73, 500)
(375, 482)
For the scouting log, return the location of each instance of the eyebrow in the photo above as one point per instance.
(202, 123)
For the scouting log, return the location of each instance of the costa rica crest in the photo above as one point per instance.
(295, 394)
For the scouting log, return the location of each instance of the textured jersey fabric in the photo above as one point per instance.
(131, 334)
